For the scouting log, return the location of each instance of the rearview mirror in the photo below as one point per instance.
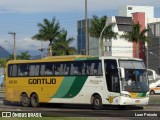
(122, 72)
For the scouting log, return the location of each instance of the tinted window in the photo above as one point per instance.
(111, 73)
(92, 67)
(132, 64)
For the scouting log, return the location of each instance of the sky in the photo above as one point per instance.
(22, 17)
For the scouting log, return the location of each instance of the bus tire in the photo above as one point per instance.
(25, 101)
(34, 100)
(97, 102)
(152, 92)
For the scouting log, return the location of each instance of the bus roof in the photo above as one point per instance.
(121, 57)
(58, 58)
(72, 58)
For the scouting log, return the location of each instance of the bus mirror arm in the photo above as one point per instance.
(122, 72)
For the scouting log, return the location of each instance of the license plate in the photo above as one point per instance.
(137, 101)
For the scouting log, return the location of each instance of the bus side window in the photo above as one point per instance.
(10, 70)
(95, 69)
(100, 68)
(42, 70)
(88, 69)
(91, 68)
(61, 72)
(72, 70)
(22, 69)
(76, 71)
(48, 72)
(31, 70)
(57, 70)
(36, 71)
(14, 70)
(84, 68)
(65, 69)
(49, 69)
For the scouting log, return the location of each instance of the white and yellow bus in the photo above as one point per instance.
(77, 80)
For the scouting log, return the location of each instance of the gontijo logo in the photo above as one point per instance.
(42, 81)
(21, 114)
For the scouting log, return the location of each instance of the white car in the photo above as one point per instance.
(155, 90)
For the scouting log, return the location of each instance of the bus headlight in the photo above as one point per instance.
(125, 95)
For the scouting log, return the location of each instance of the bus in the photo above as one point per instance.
(78, 79)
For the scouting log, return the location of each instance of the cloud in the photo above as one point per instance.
(35, 6)
(25, 44)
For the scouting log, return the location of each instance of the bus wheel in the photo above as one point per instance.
(97, 102)
(152, 92)
(34, 100)
(25, 101)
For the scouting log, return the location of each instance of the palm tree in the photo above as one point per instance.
(136, 35)
(11, 57)
(24, 56)
(98, 25)
(48, 31)
(61, 46)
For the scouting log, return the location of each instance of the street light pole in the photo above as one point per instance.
(100, 38)
(14, 36)
(86, 26)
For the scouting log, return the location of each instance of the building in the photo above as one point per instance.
(81, 40)
(119, 46)
(81, 44)
(154, 47)
(122, 23)
(130, 9)
(113, 47)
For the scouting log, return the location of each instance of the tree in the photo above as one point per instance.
(62, 45)
(11, 57)
(3, 62)
(136, 35)
(24, 56)
(48, 31)
(98, 25)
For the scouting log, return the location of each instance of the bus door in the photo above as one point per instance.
(112, 80)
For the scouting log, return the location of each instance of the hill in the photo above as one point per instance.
(3, 52)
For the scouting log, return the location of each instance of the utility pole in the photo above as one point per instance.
(86, 26)
(14, 36)
(41, 49)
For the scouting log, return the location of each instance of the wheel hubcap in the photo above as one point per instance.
(97, 102)
(25, 100)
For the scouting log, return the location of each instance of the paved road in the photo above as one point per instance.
(85, 111)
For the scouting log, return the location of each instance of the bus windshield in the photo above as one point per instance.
(135, 76)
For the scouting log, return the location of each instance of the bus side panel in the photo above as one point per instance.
(81, 90)
(32, 85)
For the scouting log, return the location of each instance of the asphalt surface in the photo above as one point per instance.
(54, 110)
